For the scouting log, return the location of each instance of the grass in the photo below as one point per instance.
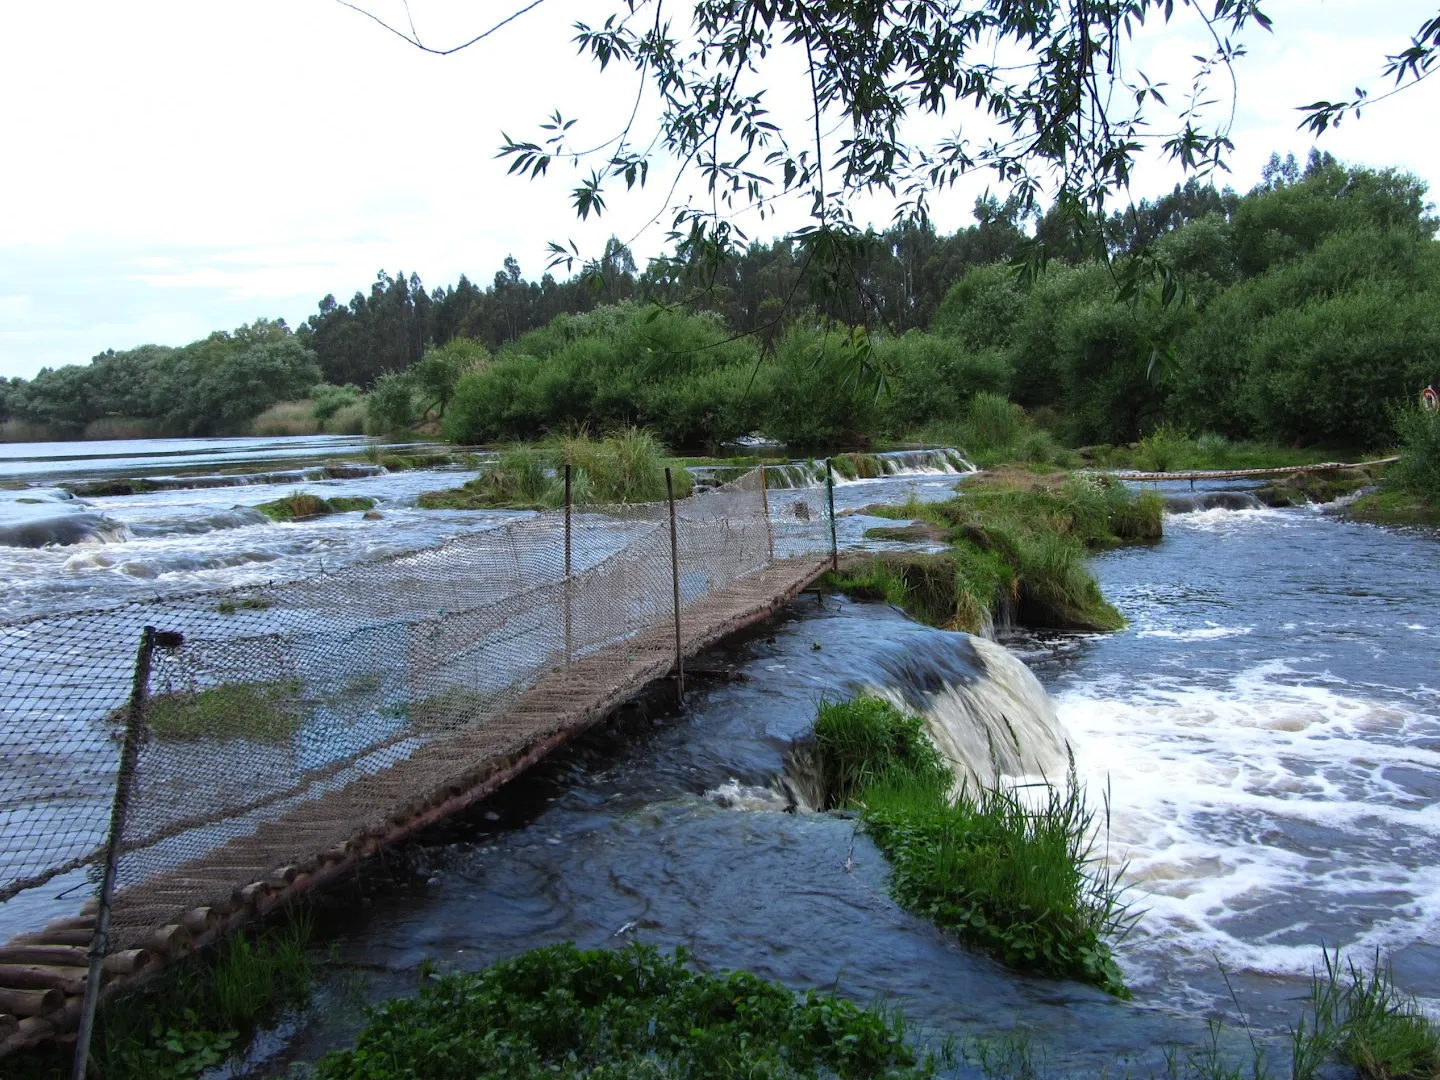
(248, 603)
(261, 712)
(1015, 877)
(1018, 547)
(288, 418)
(1361, 1018)
(558, 1012)
(195, 1014)
(626, 466)
(995, 431)
(1167, 449)
(299, 505)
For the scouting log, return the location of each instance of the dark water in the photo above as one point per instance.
(1268, 729)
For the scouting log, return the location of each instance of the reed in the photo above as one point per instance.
(287, 418)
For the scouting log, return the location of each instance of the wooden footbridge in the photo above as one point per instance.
(736, 562)
(1241, 474)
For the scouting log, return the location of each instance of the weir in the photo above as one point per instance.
(281, 734)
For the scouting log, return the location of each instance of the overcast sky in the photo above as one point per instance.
(174, 166)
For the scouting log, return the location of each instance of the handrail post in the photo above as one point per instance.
(569, 615)
(675, 586)
(124, 782)
(765, 505)
(830, 498)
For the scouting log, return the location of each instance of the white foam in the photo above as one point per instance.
(1236, 802)
(1205, 633)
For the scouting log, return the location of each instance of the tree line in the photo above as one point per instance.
(1306, 311)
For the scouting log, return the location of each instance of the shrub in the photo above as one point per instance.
(347, 420)
(1418, 470)
(327, 400)
(390, 405)
(559, 1012)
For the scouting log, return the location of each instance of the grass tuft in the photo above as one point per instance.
(300, 505)
(1363, 1019)
(260, 712)
(1013, 876)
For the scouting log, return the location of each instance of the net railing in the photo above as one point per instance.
(287, 718)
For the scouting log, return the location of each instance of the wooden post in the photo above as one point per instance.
(569, 615)
(830, 498)
(765, 505)
(124, 783)
(675, 586)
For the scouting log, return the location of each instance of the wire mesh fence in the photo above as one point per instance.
(281, 720)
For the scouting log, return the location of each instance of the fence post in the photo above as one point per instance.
(830, 498)
(675, 586)
(568, 613)
(765, 505)
(129, 751)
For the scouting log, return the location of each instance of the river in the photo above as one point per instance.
(1266, 734)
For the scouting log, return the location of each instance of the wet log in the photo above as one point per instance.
(75, 922)
(8, 1026)
(129, 961)
(31, 1002)
(55, 937)
(68, 980)
(32, 1029)
(172, 940)
(57, 955)
(200, 920)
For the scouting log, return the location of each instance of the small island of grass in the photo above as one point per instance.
(301, 505)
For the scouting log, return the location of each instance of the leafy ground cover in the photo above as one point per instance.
(1017, 549)
(559, 1012)
(1011, 876)
(262, 712)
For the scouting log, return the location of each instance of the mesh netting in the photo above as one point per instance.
(295, 716)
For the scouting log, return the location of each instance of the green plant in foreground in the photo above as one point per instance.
(1418, 470)
(1362, 1018)
(1015, 876)
(559, 1012)
(302, 504)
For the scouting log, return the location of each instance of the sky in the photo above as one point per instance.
(174, 167)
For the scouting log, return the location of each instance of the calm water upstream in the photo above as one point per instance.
(1267, 730)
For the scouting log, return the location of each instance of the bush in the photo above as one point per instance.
(1418, 470)
(347, 420)
(327, 400)
(390, 405)
(559, 1012)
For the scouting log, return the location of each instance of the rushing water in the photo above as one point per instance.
(1266, 734)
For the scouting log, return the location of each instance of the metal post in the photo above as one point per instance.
(830, 497)
(129, 751)
(765, 504)
(675, 585)
(568, 613)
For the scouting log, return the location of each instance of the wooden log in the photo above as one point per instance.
(32, 1029)
(58, 955)
(129, 961)
(278, 879)
(68, 980)
(200, 920)
(173, 940)
(75, 922)
(8, 1025)
(255, 894)
(54, 937)
(31, 1002)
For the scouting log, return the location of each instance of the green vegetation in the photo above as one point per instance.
(1012, 876)
(195, 1014)
(560, 1012)
(1364, 1020)
(1018, 545)
(260, 712)
(299, 505)
(625, 466)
